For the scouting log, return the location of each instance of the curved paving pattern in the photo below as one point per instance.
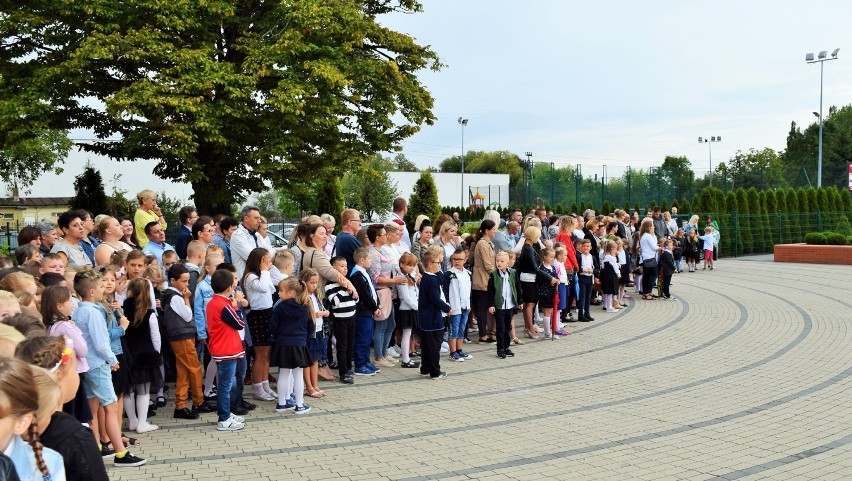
(745, 377)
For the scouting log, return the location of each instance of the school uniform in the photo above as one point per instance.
(431, 306)
(504, 296)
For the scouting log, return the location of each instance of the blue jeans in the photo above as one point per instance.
(382, 335)
(239, 380)
(458, 324)
(225, 371)
(363, 336)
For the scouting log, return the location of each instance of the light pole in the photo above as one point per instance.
(821, 59)
(463, 123)
(709, 142)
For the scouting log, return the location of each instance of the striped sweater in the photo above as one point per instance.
(341, 301)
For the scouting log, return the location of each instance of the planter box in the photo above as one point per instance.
(813, 254)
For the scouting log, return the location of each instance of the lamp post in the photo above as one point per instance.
(463, 123)
(709, 142)
(821, 59)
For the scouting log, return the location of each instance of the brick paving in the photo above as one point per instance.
(745, 376)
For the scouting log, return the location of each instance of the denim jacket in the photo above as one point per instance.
(203, 294)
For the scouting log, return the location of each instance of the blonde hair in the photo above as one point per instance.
(49, 393)
(532, 233)
(305, 275)
(16, 282)
(145, 194)
(195, 247)
(19, 397)
(215, 249)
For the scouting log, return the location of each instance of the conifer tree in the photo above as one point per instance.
(423, 200)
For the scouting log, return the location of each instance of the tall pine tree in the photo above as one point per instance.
(423, 200)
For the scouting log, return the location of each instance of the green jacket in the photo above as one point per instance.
(495, 288)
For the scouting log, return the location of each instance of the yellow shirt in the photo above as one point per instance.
(140, 220)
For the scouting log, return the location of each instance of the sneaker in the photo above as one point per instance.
(410, 364)
(611, 309)
(465, 356)
(501, 354)
(203, 408)
(107, 452)
(146, 428)
(212, 394)
(509, 352)
(390, 359)
(456, 357)
(263, 396)
(364, 371)
(185, 413)
(440, 375)
(553, 337)
(539, 329)
(303, 409)
(238, 419)
(128, 460)
(280, 408)
(445, 349)
(394, 352)
(272, 393)
(239, 410)
(561, 332)
(382, 362)
(373, 367)
(247, 405)
(230, 424)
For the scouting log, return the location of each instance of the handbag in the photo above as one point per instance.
(649, 263)
(385, 303)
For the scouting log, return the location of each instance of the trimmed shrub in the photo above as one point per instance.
(817, 238)
(835, 239)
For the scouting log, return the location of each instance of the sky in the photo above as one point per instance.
(612, 83)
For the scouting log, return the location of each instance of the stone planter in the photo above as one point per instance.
(813, 254)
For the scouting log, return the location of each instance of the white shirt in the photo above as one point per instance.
(459, 291)
(317, 307)
(259, 291)
(242, 243)
(507, 290)
(579, 234)
(586, 262)
(370, 282)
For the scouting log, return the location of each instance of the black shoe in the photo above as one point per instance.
(128, 460)
(238, 410)
(151, 412)
(501, 354)
(410, 364)
(185, 413)
(333, 365)
(590, 318)
(347, 380)
(161, 401)
(106, 451)
(247, 405)
(509, 352)
(440, 375)
(203, 408)
(585, 319)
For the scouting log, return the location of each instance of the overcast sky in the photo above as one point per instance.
(604, 83)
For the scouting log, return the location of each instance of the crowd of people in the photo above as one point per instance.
(99, 314)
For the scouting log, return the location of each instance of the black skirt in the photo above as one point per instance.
(290, 357)
(146, 368)
(79, 406)
(406, 319)
(529, 292)
(258, 322)
(317, 347)
(625, 273)
(122, 380)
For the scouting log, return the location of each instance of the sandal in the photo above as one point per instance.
(483, 339)
(648, 297)
(315, 393)
(517, 341)
(130, 441)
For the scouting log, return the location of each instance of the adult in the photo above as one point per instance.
(659, 223)
(671, 224)
(263, 239)
(244, 238)
(648, 257)
(530, 221)
(513, 233)
(49, 236)
(422, 242)
(147, 212)
(394, 248)
(227, 227)
(400, 208)
(88, 243)
(590, 231)
(677, 219)
(579, 224)
(565, 236)
(129, 233)
(483, 258)
(588, 214)
(552, 226)
(541, 215)
(203, 229)
(618, 217)
(518, 217)
(691, 225)
(417, 223)
(381, 274)
(500, 239)
(187, 215)
(448, 240)
(527, 268)
(111, 233)
(456, 218)
(329, 223)
(29, 235)
(69, 246)
(314, 257)
(439, 222)
(635, 221)
(298, 245)
(156, 244)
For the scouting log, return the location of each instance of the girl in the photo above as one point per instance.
(143, 344)
(625, 272)
(18, 410)
(680, 240)
(610, 274)
(691, 249)
(258, 288)
(156, 276)
(289, 327)
(406, 314)
(315, 341)
(547, 281)
(56, 307)
(561, 258)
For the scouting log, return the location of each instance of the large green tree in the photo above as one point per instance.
(677, 173)
(227, 95)
(89, 193)
(24, 158)
(369, 188)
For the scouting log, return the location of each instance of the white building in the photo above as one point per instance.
(492, 188)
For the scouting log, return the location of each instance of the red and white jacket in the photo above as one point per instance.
(223, 322)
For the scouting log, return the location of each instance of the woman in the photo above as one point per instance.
(129, 237)
(29, 235)
(394, 248)
(329, 222)
(298, 245)
(671, 224)
(439, 222)
(692, 225)
(417, 223)
(147, 212)
(72, 227)
(527, 267)
(423, 239)
(381, 272)
(590, 232)
(110, 233)
(501, 240)
(483, 254)
(648, 257)
(448, 239)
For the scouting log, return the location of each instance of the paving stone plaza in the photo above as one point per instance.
(745, 376)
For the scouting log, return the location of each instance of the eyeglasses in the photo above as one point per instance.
(456, 259)
(355, 220)
(435, 262)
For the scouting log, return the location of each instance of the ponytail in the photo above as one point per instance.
(33, 440)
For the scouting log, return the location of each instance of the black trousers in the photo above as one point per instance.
(344, 331)
(504, 326)
(667, 281)
(480, 309)
(430, 352)
(649, 279)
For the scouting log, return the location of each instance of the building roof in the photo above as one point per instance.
(35, 202)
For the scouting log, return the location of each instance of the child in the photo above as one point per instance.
(458, 292)
(101, 360)
(203, 294)
(406, 314)
(668, 268)
(315, 341)
(610, 274)
(122, 381)
(430, 306)
(559, 265)
(169, 259)
(258, 288)
(589, 269)
(225, 346)
(156, 275)
(709, 239)
(289, 327)
(282, 266)
(691, 250)
(365, 311)
(503, 289)
(515, 340)
(18, 409)
(547, 280)
(53, 263)
(679, 239)
(143, 343)
(624, 270)
(180, 330)
(342, 307)
(195, 252)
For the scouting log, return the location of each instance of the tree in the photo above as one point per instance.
(269, 203)
(369, 188)
(677, 173)
(22, 161)
(423, 200)
(89, 191)
(226, 95)
(402, 164)
(743, 221)
(757, 168)
(170, 208)
(794, 215)
(329, 197)
(495, 162)
(117, 204)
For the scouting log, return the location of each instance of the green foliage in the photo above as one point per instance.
(846, 198)
(794, 214)
(843, 226)
(837, 150)
(677, 173)
(747, 238)
(482, 162)
(817, 238)
(468, 228)
(664, 205)
(734, 241)
(89, 191)
(24, 158)
(117, 203)
(423, 200)
(835, 239)
(755, 224)
(270, 204)
(685, 206)
(226, 95)
(329, 197)
(402, 164)
(369, 188)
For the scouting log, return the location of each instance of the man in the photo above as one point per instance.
(48, 236)
(517, 217)
(513, 232)
(578, 227)
(245, 238)
(227, 227)
(678, 220)
(659, 223)
(456, 218)
(156, 241)
(188, 215)
(347, 243)
(541, 214)
(400, 208)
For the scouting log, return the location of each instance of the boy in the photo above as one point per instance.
(667, 268)
(431, 308)
(52, 263)
(503, 291)
(170, 258)
(97, 383)
(282, 266)
(181, 332)
(239, 405)
(709, 239)
(590, 268)
(225, 345)
(458, 292)
(365, 311)
(343, 311)
(195, 251)
(203, 294)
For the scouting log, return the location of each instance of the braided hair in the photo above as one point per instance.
(19, 397)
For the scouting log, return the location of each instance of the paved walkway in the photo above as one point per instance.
(745, 376)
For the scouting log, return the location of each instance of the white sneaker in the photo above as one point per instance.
(238, 419)
(230, 425)
(444, 345)
(264, 396)
(539, 329)
(146, 428)
(445, 349)
(270, 392)
(393, 352)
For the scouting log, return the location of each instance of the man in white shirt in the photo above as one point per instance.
(400, 208)
(245, 238)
